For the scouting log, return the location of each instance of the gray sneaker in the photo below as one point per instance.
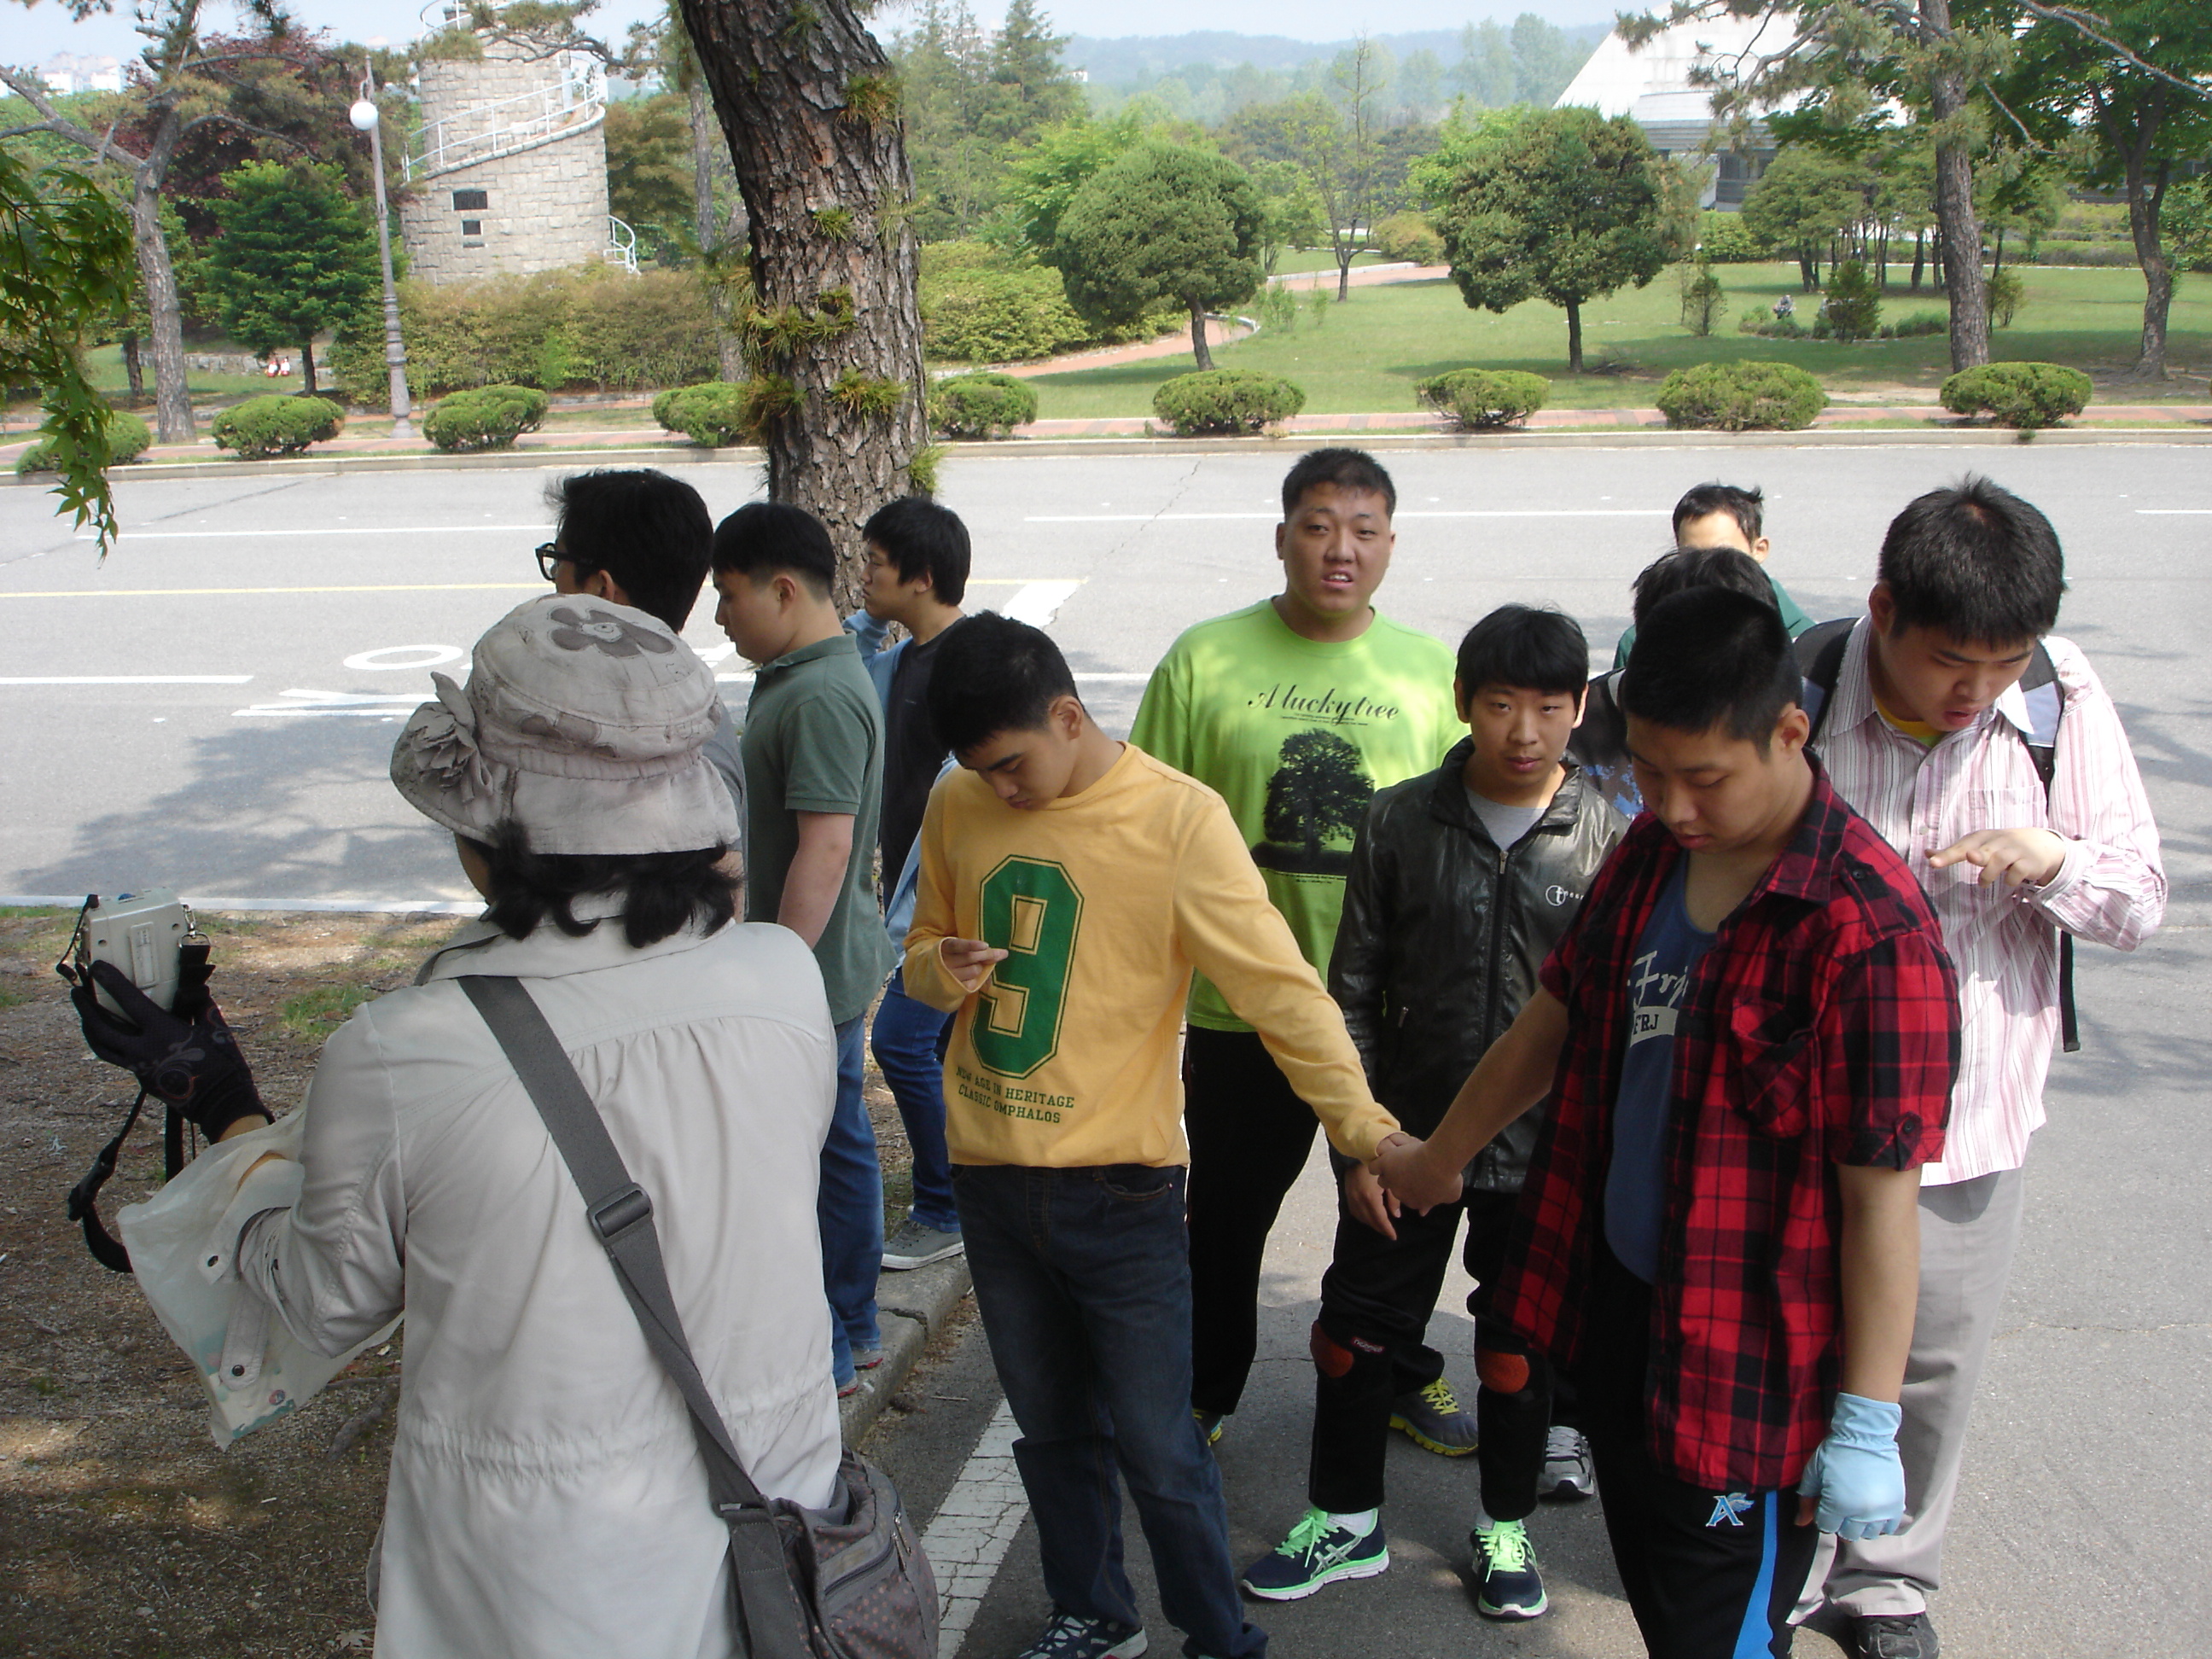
(917, 1246)
(1568, 1474)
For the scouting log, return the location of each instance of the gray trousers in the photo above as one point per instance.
(1968, 1232)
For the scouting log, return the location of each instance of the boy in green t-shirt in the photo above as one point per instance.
(813, 755)
(1295, 709)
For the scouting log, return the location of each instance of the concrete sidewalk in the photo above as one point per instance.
(913, 1306)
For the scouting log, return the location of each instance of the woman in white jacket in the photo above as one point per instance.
(547, 1497)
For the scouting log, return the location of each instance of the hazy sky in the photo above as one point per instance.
(29, 37)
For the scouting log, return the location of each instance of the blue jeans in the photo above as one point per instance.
(850, 1209)
(909, 1041)
(1083, 1277)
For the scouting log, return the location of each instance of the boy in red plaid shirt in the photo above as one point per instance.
(1748, 1039)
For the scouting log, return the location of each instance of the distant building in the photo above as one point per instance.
(1652, 84)
(65, 74)
(509, 173)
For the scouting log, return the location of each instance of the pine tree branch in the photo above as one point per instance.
(2084, 22)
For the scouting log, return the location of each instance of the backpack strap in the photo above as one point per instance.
(2046, 707)
(1819, 653)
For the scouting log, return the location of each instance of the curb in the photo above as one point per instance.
(914, 1305)
(1169, 447)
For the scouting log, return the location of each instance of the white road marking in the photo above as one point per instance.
(970, 1534)
(1410, 513)
(438, 657)
(343, 907)
(2170, 512)
(389, 704)
(1037, 603)
(201, 592)
(125, 679)
(330, 530)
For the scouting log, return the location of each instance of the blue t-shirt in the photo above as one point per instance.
(1666, 954)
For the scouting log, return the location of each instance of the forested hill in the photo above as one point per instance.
(1134, 59)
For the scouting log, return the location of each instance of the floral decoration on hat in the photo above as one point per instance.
(598, 629)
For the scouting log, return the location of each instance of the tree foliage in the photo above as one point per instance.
(1565, 205)
(1164, 221)
(295, 257)
(64, 267)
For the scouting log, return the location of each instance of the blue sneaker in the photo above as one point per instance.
(1210, 1423)
(1069, 1635)
(1507, 1585)
(1314, 1554)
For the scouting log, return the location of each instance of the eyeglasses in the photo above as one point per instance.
(549, 555)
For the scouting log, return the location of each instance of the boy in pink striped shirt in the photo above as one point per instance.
(1928, 734)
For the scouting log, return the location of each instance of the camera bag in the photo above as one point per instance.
(847, 1583)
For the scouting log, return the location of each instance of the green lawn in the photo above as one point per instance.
(105, 364)
(1293, 260)
(1371, 349)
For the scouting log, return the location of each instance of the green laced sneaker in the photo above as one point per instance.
(1506, 1583)
(1432, 1418)
(1316, 1553)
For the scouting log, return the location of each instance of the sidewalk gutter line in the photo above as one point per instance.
(1169, 448)
(914, 1306)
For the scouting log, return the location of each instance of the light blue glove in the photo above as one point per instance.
(1856, 1472)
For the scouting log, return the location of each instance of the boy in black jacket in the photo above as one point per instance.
(1461, 879)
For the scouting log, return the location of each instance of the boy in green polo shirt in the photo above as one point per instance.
(1295, 710)
(813, 753)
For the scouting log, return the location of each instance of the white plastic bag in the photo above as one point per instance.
(181, 1241)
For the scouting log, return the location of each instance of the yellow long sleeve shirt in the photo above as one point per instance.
(1106, 902)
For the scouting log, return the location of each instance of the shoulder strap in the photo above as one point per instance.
(620, 1214)
(2046, 707)
(1820, 652)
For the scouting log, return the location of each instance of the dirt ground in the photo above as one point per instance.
(122, 1530)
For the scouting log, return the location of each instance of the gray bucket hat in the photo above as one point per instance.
(583, 721)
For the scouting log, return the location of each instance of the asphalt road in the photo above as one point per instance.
(311, 610)
(321, 602)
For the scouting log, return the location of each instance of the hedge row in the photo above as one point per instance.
(559, 329)
(980, 305)
(1480, 398)
(490, 417)
(1742, 397)
(127, 438)
(2026, 395)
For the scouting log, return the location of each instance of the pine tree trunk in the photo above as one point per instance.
(2146, 203)
(307, 365)
(1574, 337)
(1955, 204)
(1198, 348)
(133, 369)
(808, 106)
(1344, 256)
(173, 399)
(1919, 255)
(706, 223)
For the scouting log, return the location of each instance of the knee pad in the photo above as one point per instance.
(1335, 1359)
(1503, 1373)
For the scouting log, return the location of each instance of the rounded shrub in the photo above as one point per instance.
(1751, 397)
(2026, 395)
(982, 405)
(1409, 236)
(714, 413)
(127, 438)
(1483, 397)
(275, 424)
(490, 417)
(1218, 400)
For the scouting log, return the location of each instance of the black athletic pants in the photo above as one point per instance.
(1709, 1574)
(1250, 1134)
(1369, 1347)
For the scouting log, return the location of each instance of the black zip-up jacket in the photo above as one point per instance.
(1443, 935)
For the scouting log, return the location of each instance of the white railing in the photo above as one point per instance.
(621, 246)
(574, 102)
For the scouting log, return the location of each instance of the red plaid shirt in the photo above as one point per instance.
(1821, 1028)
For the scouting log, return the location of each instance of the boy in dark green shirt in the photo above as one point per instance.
(813, 753)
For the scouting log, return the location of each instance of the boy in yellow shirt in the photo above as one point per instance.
(1070, 886)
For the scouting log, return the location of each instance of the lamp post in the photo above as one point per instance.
(365, 117)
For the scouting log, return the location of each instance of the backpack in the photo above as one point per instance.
(1820, 651)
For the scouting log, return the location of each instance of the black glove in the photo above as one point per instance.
(188, 1059)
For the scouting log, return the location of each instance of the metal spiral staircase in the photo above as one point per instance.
(507, 126)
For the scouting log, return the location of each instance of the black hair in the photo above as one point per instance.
(1519, 645)
(1682, 568)
(649, 531)
(1746, 506)
(762, 538)
(1708, 657)
(995, 674)
(661, 893)
(921, 538)
(1347, 469)
(1974, 561)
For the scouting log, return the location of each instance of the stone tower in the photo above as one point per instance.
(510, 172)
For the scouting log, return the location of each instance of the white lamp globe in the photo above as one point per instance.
(363, 115)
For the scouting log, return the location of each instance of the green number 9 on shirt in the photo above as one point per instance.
(1032, 911)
